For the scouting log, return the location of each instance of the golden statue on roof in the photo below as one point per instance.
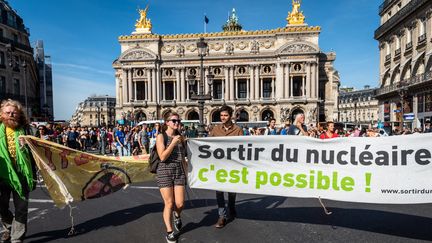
(296, 17)
(143, 25)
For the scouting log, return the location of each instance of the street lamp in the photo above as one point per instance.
(200, 96)
(403, 90)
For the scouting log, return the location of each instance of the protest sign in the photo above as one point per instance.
(71, 175)
(371, 170)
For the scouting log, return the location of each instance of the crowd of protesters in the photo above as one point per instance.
(126, 140)
(121, 140)
(320, 130)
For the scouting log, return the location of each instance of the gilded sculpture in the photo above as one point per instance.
(143, 24)
(296, 17)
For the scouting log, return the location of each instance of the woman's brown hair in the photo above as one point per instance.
(167, 117)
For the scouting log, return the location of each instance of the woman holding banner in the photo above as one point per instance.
(170, 174)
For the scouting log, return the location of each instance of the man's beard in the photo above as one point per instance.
(11, 123)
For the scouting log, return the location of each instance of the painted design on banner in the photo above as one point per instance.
(72, 176)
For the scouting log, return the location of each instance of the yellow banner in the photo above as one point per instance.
(71, 175)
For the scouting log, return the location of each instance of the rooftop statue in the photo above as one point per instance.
(296, 17)
(143, 22)
(232, 23)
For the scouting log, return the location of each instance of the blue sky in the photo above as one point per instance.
(81, 35)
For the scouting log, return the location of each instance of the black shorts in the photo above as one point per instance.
(135, 145)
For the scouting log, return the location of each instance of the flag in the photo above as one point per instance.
(206, 20)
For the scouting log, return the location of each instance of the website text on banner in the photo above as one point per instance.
(71, 175)
(371, 170)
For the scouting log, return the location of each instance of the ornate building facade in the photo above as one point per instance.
(359, 107)
(95, 111)
(18, 71)
(405, 42)
(261, 74)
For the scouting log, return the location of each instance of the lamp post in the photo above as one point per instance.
(200, 96)
(402, 93)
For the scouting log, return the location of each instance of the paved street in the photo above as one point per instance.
(134, 215)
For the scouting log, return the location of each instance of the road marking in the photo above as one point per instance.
(32, 209)
(145, 187)
(38, 215)
(38, 200)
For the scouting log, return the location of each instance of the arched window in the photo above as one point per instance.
(243, 116)
(193, 115)
(266, 115)
(216, 116)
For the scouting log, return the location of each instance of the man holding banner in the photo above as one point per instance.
(227, 128)
(16, 171)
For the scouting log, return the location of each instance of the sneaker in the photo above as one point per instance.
(5, 236)
(177, 222)
(171, 237)
(220, 223)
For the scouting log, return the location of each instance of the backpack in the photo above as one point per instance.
(154, 159)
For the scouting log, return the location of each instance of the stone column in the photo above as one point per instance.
(279, 81)
(135, 90)
(273, 88)
(149, 88)
(155, 88)
(130, 87)
(308, 80)
(118, 102)
(159, 84)
(257, 83)
(182, 85)
(312, 79)
(303, 86)
(247, 88)
(206, 87)
(231, 80)
(317, 80)
(286, 81)
(124, 86)
(291, 86)
(236, 89)
(178, 88)
(252, 83)
(226, 83)
(163, 89)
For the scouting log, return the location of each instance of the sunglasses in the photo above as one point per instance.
(175, 121)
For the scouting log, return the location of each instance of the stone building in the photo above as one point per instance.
(95, 111)
(359, 107)
(18, 72)
(44, 65)
(405, 35)
(260, 73)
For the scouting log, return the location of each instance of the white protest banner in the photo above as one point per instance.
(395, 169)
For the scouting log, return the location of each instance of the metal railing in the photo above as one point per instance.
(397, 52)
(421, 39)
(387, 58)
(424, 77)
(408, 46)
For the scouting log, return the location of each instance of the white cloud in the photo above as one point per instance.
(69, 91)
(82, 67)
